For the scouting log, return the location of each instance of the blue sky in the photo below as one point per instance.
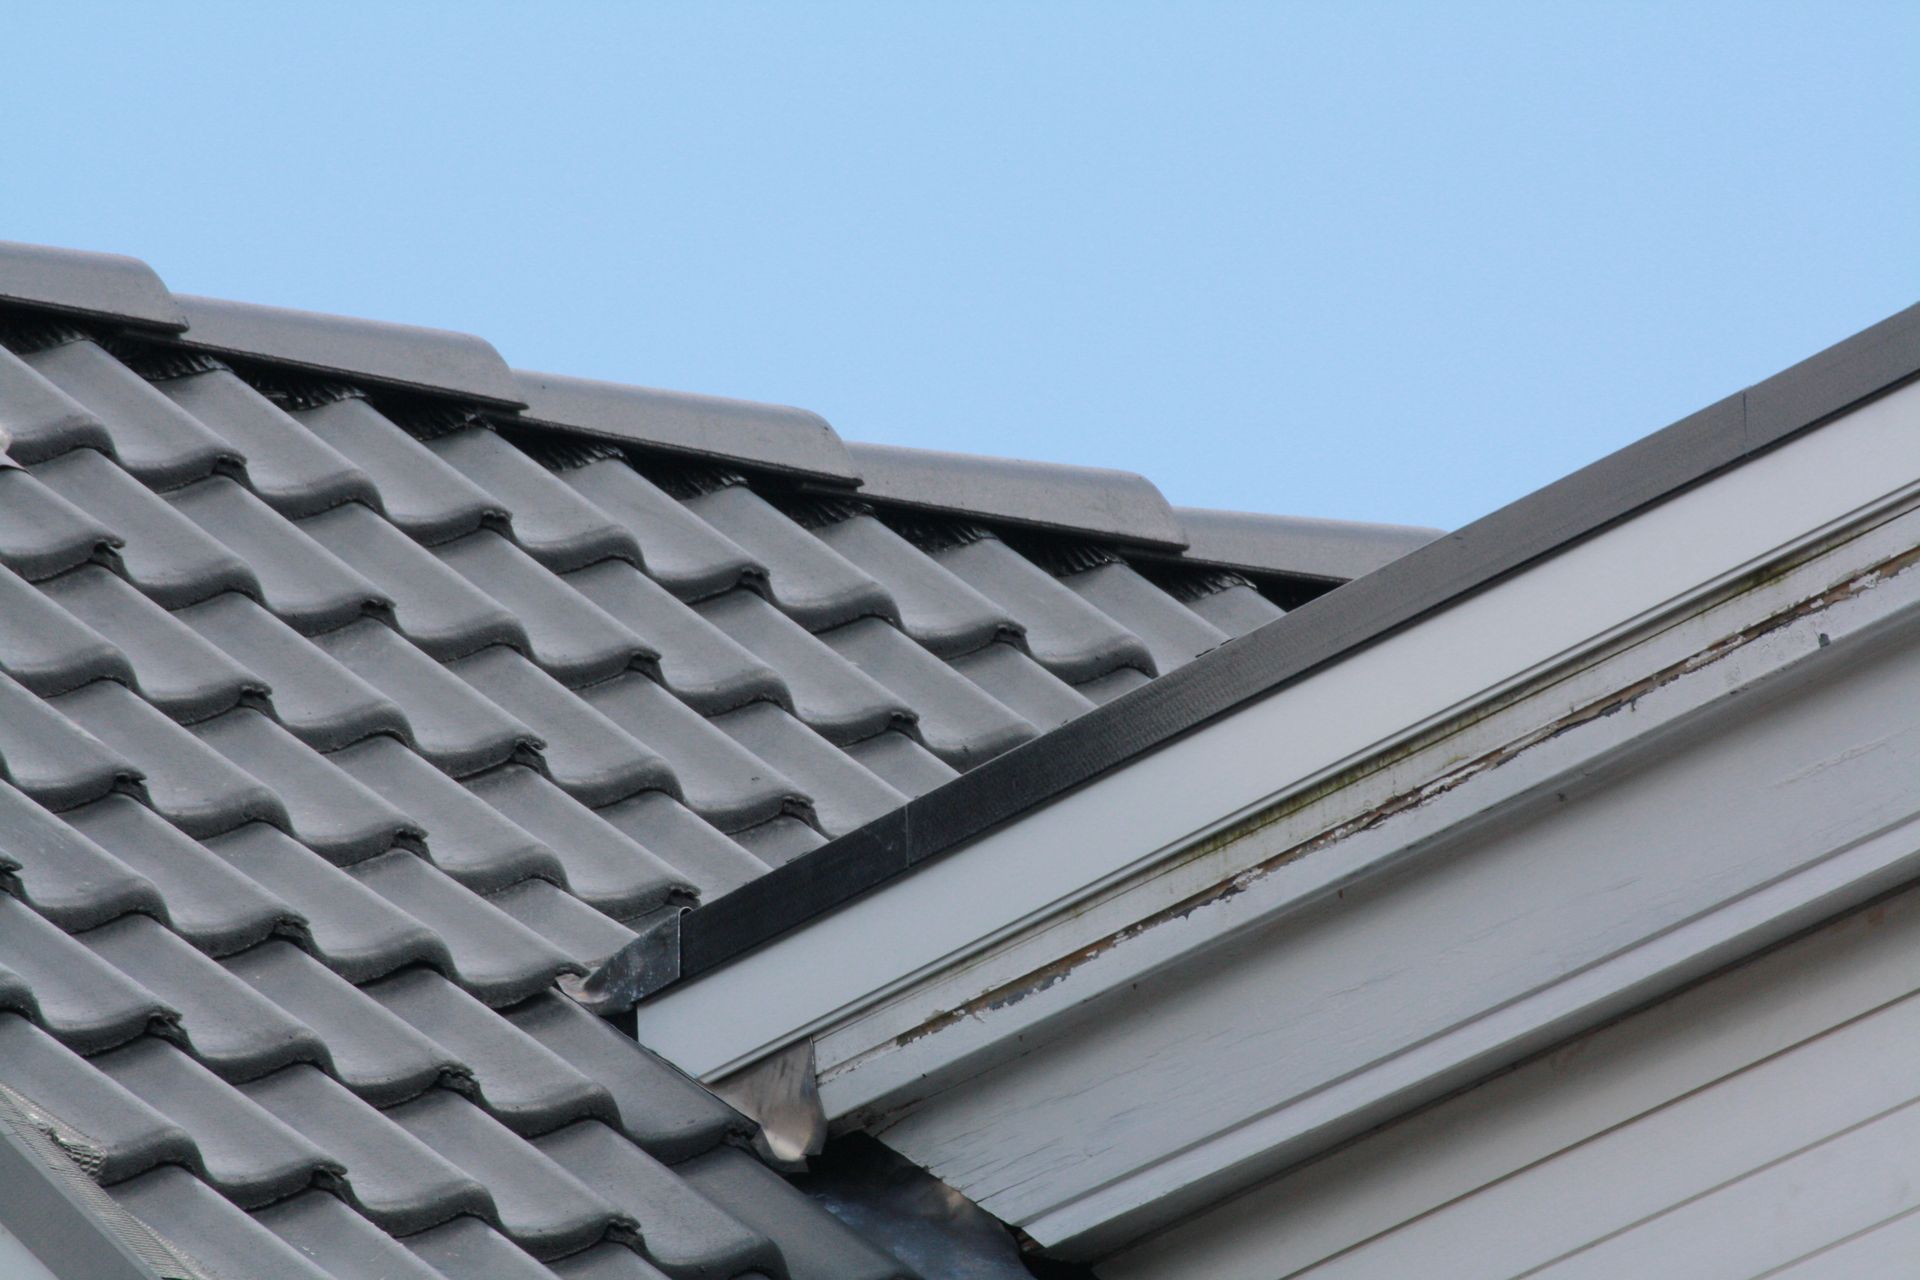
(1376, 261)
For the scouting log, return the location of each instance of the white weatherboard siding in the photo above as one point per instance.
(1767, 1118)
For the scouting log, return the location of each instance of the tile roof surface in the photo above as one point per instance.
(347, 712)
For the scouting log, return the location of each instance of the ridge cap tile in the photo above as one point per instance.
(777, 437)
(407, 357)
(1306, 546)
(1058, 496)
(110, 286)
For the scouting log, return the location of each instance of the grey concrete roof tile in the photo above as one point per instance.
(511, 876)
(174, 668)
(681, 1231)
(293, 471)
(304, 583)
(451, 724)
(901, 763)
(130, 1136)
(704, 666)
(392, 1177)
(811, 582)
(581, 932)
(1103, 689)
(427, 499)
(72, 281)
(154, 439)
(780, 841)
(544, 1209)
(227, 1026)
(835, 698)
(166, 555)
(844, 794)
(608, 1262)
(766, 435)
(679, 550)
(63, 875)
(604, 867)
(816, 1245)
(188, 782)
(44, 647)
(669, 1115)
(209, 1228)
(1067, 635)
(713, 862)
(38, 419)
(358, 933)
(250, 1156)
(555, 525)
(326, 809)
(469, 1249)
(319, 701)
(348, 1245)
(1236, 609)
(466, 837)
(1116, 505)
(519, 1081)
(208, 903)
(434, 606)
(1022, 685)
(571, 637)
(404, 356)
(936, 608)
(42, 533)
(82, 1000)
(494, 956)
(593, 759)
(58, 762)
(1173, 633)
(719, 780)
(16, 995)
(375, 1053)
(958, 721)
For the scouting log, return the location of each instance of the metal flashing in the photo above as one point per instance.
(1041, 495)
(407, 357)
(1345, 620)
(1295, 546)
(106, 286)
(771, 436)
(50, 1207)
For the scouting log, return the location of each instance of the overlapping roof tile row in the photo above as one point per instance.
(346, 710)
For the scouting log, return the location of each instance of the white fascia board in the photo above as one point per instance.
(1480, 649)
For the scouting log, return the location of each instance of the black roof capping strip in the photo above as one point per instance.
(1341, 622)
(100, 286)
